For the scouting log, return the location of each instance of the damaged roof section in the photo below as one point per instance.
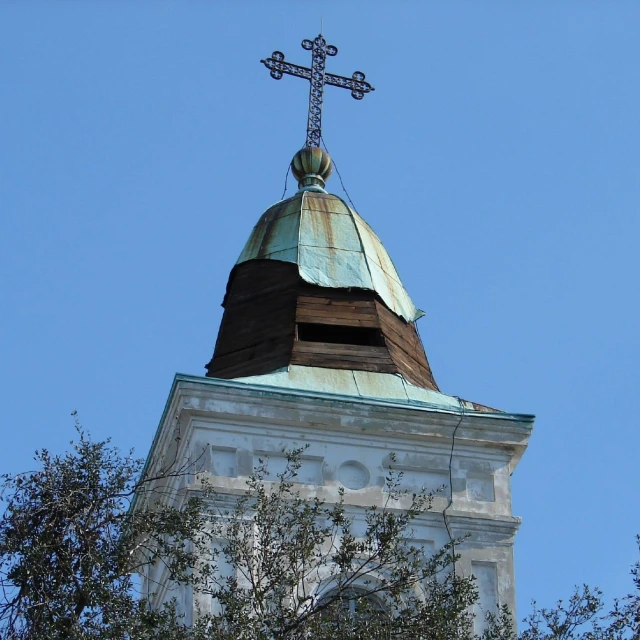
(332, 246)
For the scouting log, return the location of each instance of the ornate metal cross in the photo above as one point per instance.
(318, 77)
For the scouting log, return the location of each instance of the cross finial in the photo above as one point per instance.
(318, 78)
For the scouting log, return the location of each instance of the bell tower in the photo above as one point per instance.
(318, 347)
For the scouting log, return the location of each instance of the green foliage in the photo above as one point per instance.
(309, 569)
(267, 562)
(69, 546)
(583, 616)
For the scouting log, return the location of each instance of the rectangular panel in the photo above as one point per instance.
(486, 574)
(480, 488)
(309, 473)
(223, 462)
(425, 479)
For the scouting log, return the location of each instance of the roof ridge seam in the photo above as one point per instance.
(362, 247)
(355, 381)
(302, 203)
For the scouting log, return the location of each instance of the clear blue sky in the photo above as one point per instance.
(497, 160)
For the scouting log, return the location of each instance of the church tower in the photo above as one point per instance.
(318, 346)
(314, 287)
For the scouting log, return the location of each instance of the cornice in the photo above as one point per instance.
(263, 391)
(196, 396)
(350, 414)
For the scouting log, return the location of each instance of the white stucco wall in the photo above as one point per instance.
(227, 425)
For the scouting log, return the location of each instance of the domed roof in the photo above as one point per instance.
(332, 246)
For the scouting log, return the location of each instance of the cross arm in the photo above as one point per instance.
(358, 85)
(279, 67)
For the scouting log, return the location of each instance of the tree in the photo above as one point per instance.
(380, 586)
(68, 542)
(300, 569)
(71, 544)
(583, 616)
(272, 565)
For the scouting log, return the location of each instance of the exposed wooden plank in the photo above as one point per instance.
(333, 347)
(252, 312)
(261, 278)
(263, 350)
(350, 359)
(242, 286)
(415, 353)
(238, 324)
(343, 310)
(236, 334)
(258, 323)
(264, 295)
(332, 363)
(391, 345)
(232, 341)
(333, 302)
(413, 370)
(346, 362)
(347, 320)
(249, 353)
(307, 289)
(256, 367)
(340, 322)
(401, 332)
(406, 348)
(392, 322)
(407, 338)
(305, 301)
(404, 332)
(229, 348)
(339, 312)
(267, 298)
(338, 308)
(405, 363)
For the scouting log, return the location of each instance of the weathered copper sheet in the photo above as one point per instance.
(332, 246)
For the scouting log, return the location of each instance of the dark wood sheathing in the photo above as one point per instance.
(405, 348)
(258, 326)
(343, 356)
(403, 351)
(267, 300)
(335, 307)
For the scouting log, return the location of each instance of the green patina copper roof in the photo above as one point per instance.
(332, 246)
(366, 384)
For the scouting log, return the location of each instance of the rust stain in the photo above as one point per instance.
(267, 237)
(252, 247)
(323, 228)
(337, 254)
(264, 239)
(326, 203)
